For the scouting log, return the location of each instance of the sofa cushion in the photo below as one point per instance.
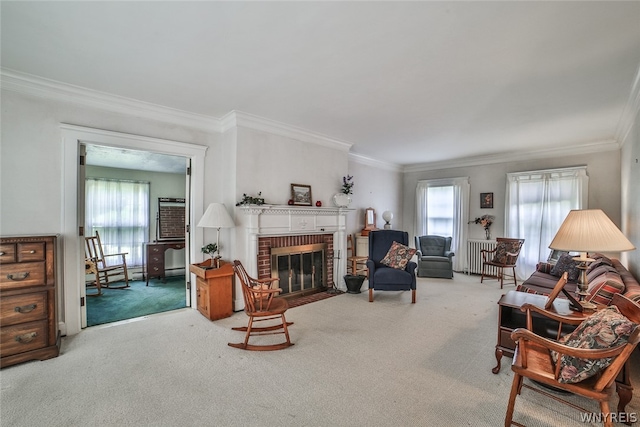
(398, 256)
(598, 271)
(604, 287)
(568, 264)
(604, 329)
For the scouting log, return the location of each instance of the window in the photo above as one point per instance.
(537, 202)
(119, 211)
(442, 208)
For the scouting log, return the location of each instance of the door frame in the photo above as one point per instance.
(73, 272)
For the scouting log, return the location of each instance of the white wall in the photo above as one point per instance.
(604, 186)
(630, 176)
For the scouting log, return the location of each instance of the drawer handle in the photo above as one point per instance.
(32, 252)
(25, 308)
(26, 338)
(2, 253)
(20, 276)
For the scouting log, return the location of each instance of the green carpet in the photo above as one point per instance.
(135, 301)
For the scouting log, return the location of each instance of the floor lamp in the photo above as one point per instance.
(584, 231)
(216, 216)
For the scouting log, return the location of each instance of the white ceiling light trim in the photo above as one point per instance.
(28, 84)
(250, 121)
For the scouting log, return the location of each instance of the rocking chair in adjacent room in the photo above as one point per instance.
(96, 263)
(261, 304)
(580, 367)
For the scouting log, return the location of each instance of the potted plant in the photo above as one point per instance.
(211, 249)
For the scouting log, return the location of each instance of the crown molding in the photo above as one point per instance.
(631, 110)
(587, 148)
(27, 84)
(240, 119)
(368, 161)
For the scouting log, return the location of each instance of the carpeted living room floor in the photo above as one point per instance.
(354, 363)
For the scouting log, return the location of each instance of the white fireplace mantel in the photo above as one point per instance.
(254, 221)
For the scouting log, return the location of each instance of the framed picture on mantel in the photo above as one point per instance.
(486, 200)
(301, 194)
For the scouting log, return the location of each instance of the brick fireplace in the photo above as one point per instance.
(264, 227)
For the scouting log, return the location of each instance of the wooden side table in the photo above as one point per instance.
(214, 289)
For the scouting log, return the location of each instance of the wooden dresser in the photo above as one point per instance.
(28, 321)
(155, 266)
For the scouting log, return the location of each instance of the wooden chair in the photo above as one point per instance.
(533, 360)
(90, 268)
(503, 256)
(96, 261)
(356, 265)
(261, 304)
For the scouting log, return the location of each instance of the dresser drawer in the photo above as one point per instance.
(31, 252)
(23, 308)
(23, 337)
(7, 253)
(20, 275)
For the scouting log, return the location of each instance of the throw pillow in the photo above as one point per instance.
(568, 264)
(398, 256)
(604, 287)
(604, 329)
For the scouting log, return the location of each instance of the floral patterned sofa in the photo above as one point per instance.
(606, 277)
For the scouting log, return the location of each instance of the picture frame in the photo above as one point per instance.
(554, 256)
(486, 200)
(301, 195)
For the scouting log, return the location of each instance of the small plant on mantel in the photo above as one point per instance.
(347, 184)
(250, 200)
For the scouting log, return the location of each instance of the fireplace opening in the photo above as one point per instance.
(302, 269)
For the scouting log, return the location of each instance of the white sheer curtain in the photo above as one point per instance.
(459, 214)
(536, 204)
(119, 211)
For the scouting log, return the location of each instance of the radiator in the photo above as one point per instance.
(474, 261)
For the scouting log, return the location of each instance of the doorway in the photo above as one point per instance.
(136, 202)
(72, 303)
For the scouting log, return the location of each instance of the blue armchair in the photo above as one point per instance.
(434, 256)
(383, 277)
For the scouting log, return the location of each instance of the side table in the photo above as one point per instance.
(214, 289)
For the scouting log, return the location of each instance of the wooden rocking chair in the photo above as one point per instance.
(261, 304)
(533, 359)
(96, 263)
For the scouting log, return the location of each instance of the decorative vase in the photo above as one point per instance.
(487, 233)
(342, 200)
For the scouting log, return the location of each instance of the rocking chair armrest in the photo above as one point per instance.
(269, 281)
(582, 353)
(551, 315)
(120, 254)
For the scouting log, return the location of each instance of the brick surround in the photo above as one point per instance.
(265, 243)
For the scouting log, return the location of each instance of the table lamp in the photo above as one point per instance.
(584, 231)
(216, 216)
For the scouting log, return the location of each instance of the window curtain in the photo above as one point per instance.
(119, 211)
(459, 215)
(537, 202)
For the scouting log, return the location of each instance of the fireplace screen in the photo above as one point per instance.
(301, 269)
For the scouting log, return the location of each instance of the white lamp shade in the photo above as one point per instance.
(216, 216)
(590, 230)
(387, 216)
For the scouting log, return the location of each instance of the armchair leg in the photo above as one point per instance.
(370, 295)
(413, 296)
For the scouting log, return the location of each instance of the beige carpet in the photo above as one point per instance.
(354, 363)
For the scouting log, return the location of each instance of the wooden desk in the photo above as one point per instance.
(214, 289)
(154, 251)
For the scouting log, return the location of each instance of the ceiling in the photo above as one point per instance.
(404, 82)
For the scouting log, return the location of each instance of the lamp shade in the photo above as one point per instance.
(589, 230)
(387, 216)
(216, 216)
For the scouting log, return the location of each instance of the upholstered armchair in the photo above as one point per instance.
(383, 277)
(435, 258)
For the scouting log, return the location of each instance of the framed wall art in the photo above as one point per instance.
(486, 200)
(301, 194)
